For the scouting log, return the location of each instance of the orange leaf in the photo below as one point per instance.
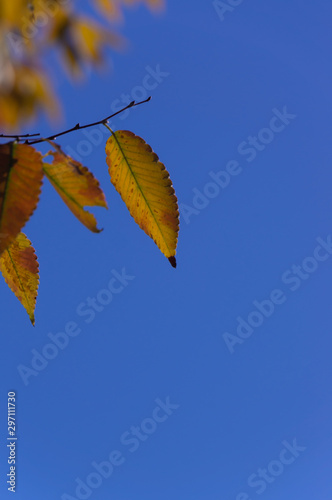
(19, 267)
(76, 185)
(21, 173)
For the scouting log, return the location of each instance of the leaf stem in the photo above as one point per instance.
(108, 127)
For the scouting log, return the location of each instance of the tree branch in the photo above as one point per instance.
(18, 136)
(80, 127)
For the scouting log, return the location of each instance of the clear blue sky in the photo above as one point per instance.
(211, 381)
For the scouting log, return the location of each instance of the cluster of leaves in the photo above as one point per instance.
(135, 171)
(29, 28)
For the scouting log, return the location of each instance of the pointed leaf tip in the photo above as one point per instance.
(172, 261)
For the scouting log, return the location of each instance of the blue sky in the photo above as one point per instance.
(211, 381)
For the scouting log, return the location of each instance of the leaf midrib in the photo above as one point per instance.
(54, 181)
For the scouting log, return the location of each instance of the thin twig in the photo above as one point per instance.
(18, 136)
(80, 127)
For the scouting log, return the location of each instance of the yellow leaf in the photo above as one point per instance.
(146, 189)
(154, 4)
(13, 13)
(21, 173)
(76, 186)
(109, 7)
(25, 91)
(112, 7)
(82, 40)
(92, 38)
(19, 267)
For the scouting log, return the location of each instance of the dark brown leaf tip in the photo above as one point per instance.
(172, 261)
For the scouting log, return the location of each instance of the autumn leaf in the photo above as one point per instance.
(76, 185)
(24, 91)
(108, 7)
(82, 41)
(19, 267)
(112, 7)
(12, 13)
(154, 4)
(21, 173)
(145, 187)
(93, 38)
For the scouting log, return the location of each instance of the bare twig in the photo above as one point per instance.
(18, 136)
(80, 127)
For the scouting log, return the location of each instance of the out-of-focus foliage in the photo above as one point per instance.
(29, 30)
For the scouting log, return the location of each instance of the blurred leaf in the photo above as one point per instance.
(82, 41)
(25, 90)
(108, 7)
(112, 8)
(19, 267)
(21, 173)
(145, 187)
(30, 30)
(76, 186)
(154, 4)
(13, 12)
